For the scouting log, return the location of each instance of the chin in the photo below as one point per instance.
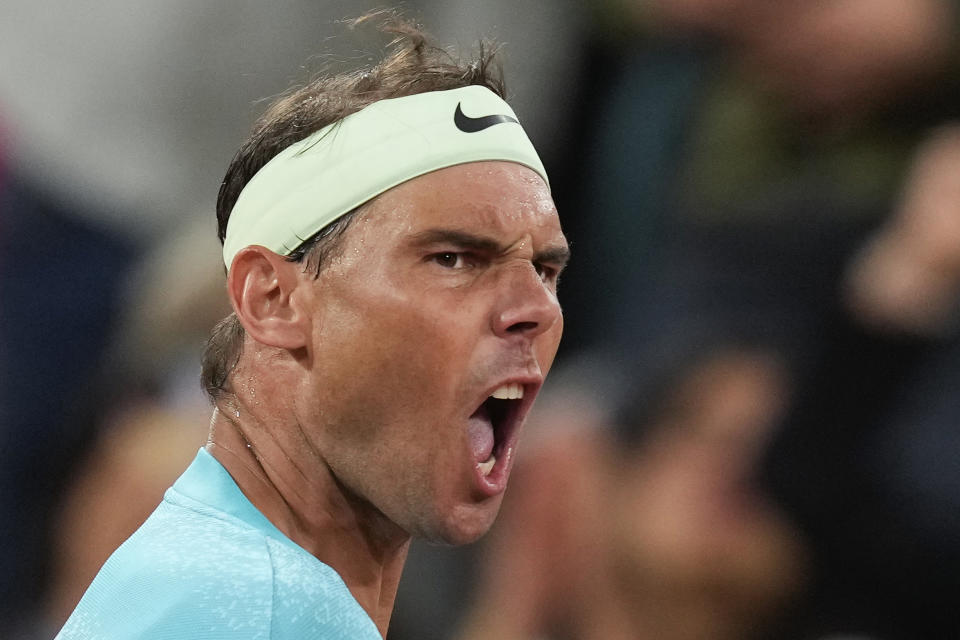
(466, 525)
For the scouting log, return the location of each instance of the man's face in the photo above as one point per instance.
(445, 294)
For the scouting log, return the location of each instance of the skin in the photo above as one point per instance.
(347, 421)
(907, 278)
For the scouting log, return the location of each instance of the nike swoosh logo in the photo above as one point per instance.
(472, 125)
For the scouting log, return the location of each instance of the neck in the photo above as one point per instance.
(289, 482)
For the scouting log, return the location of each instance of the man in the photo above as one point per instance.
(393, 254)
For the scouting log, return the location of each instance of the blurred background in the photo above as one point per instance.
(752, 427)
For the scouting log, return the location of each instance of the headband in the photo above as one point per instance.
(314, 181)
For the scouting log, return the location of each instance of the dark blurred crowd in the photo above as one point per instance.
(752, 428)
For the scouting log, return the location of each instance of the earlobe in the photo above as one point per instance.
(262, 286)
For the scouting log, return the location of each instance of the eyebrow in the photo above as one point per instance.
(559, 256)
(555, 255)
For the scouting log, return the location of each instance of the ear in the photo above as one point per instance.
(262, 286)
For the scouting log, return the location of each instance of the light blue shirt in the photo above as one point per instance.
(208, 565)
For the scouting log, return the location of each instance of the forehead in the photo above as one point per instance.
(504, 198)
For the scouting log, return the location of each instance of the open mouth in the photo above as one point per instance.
(493, 425)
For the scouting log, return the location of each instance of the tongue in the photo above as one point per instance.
(481, 434)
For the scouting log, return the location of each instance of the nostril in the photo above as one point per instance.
(521, 327)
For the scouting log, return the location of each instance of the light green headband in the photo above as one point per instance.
(313, 182)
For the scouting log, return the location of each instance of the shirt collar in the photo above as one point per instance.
(208, 482)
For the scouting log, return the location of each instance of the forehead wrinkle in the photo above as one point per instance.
(457, 237)
(488, 222)
(508, 210)
(552, 253)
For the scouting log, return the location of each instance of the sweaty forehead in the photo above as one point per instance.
(491, 196)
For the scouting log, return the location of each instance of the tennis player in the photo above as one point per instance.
(392, 254)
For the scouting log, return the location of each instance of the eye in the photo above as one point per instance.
(450, 259)
(546, 273)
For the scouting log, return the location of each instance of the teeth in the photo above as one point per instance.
(487, 467)
(508, 392)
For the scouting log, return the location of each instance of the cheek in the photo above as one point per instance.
(547, 345)
(383, 358)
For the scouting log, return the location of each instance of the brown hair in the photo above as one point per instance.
(412, 65)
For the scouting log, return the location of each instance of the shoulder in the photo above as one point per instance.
(196, 572)
(184, 573)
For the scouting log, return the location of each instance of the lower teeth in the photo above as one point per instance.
(487, 467)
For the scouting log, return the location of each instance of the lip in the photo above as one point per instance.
(506, 435)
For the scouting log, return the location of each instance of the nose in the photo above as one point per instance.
(526, 306)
